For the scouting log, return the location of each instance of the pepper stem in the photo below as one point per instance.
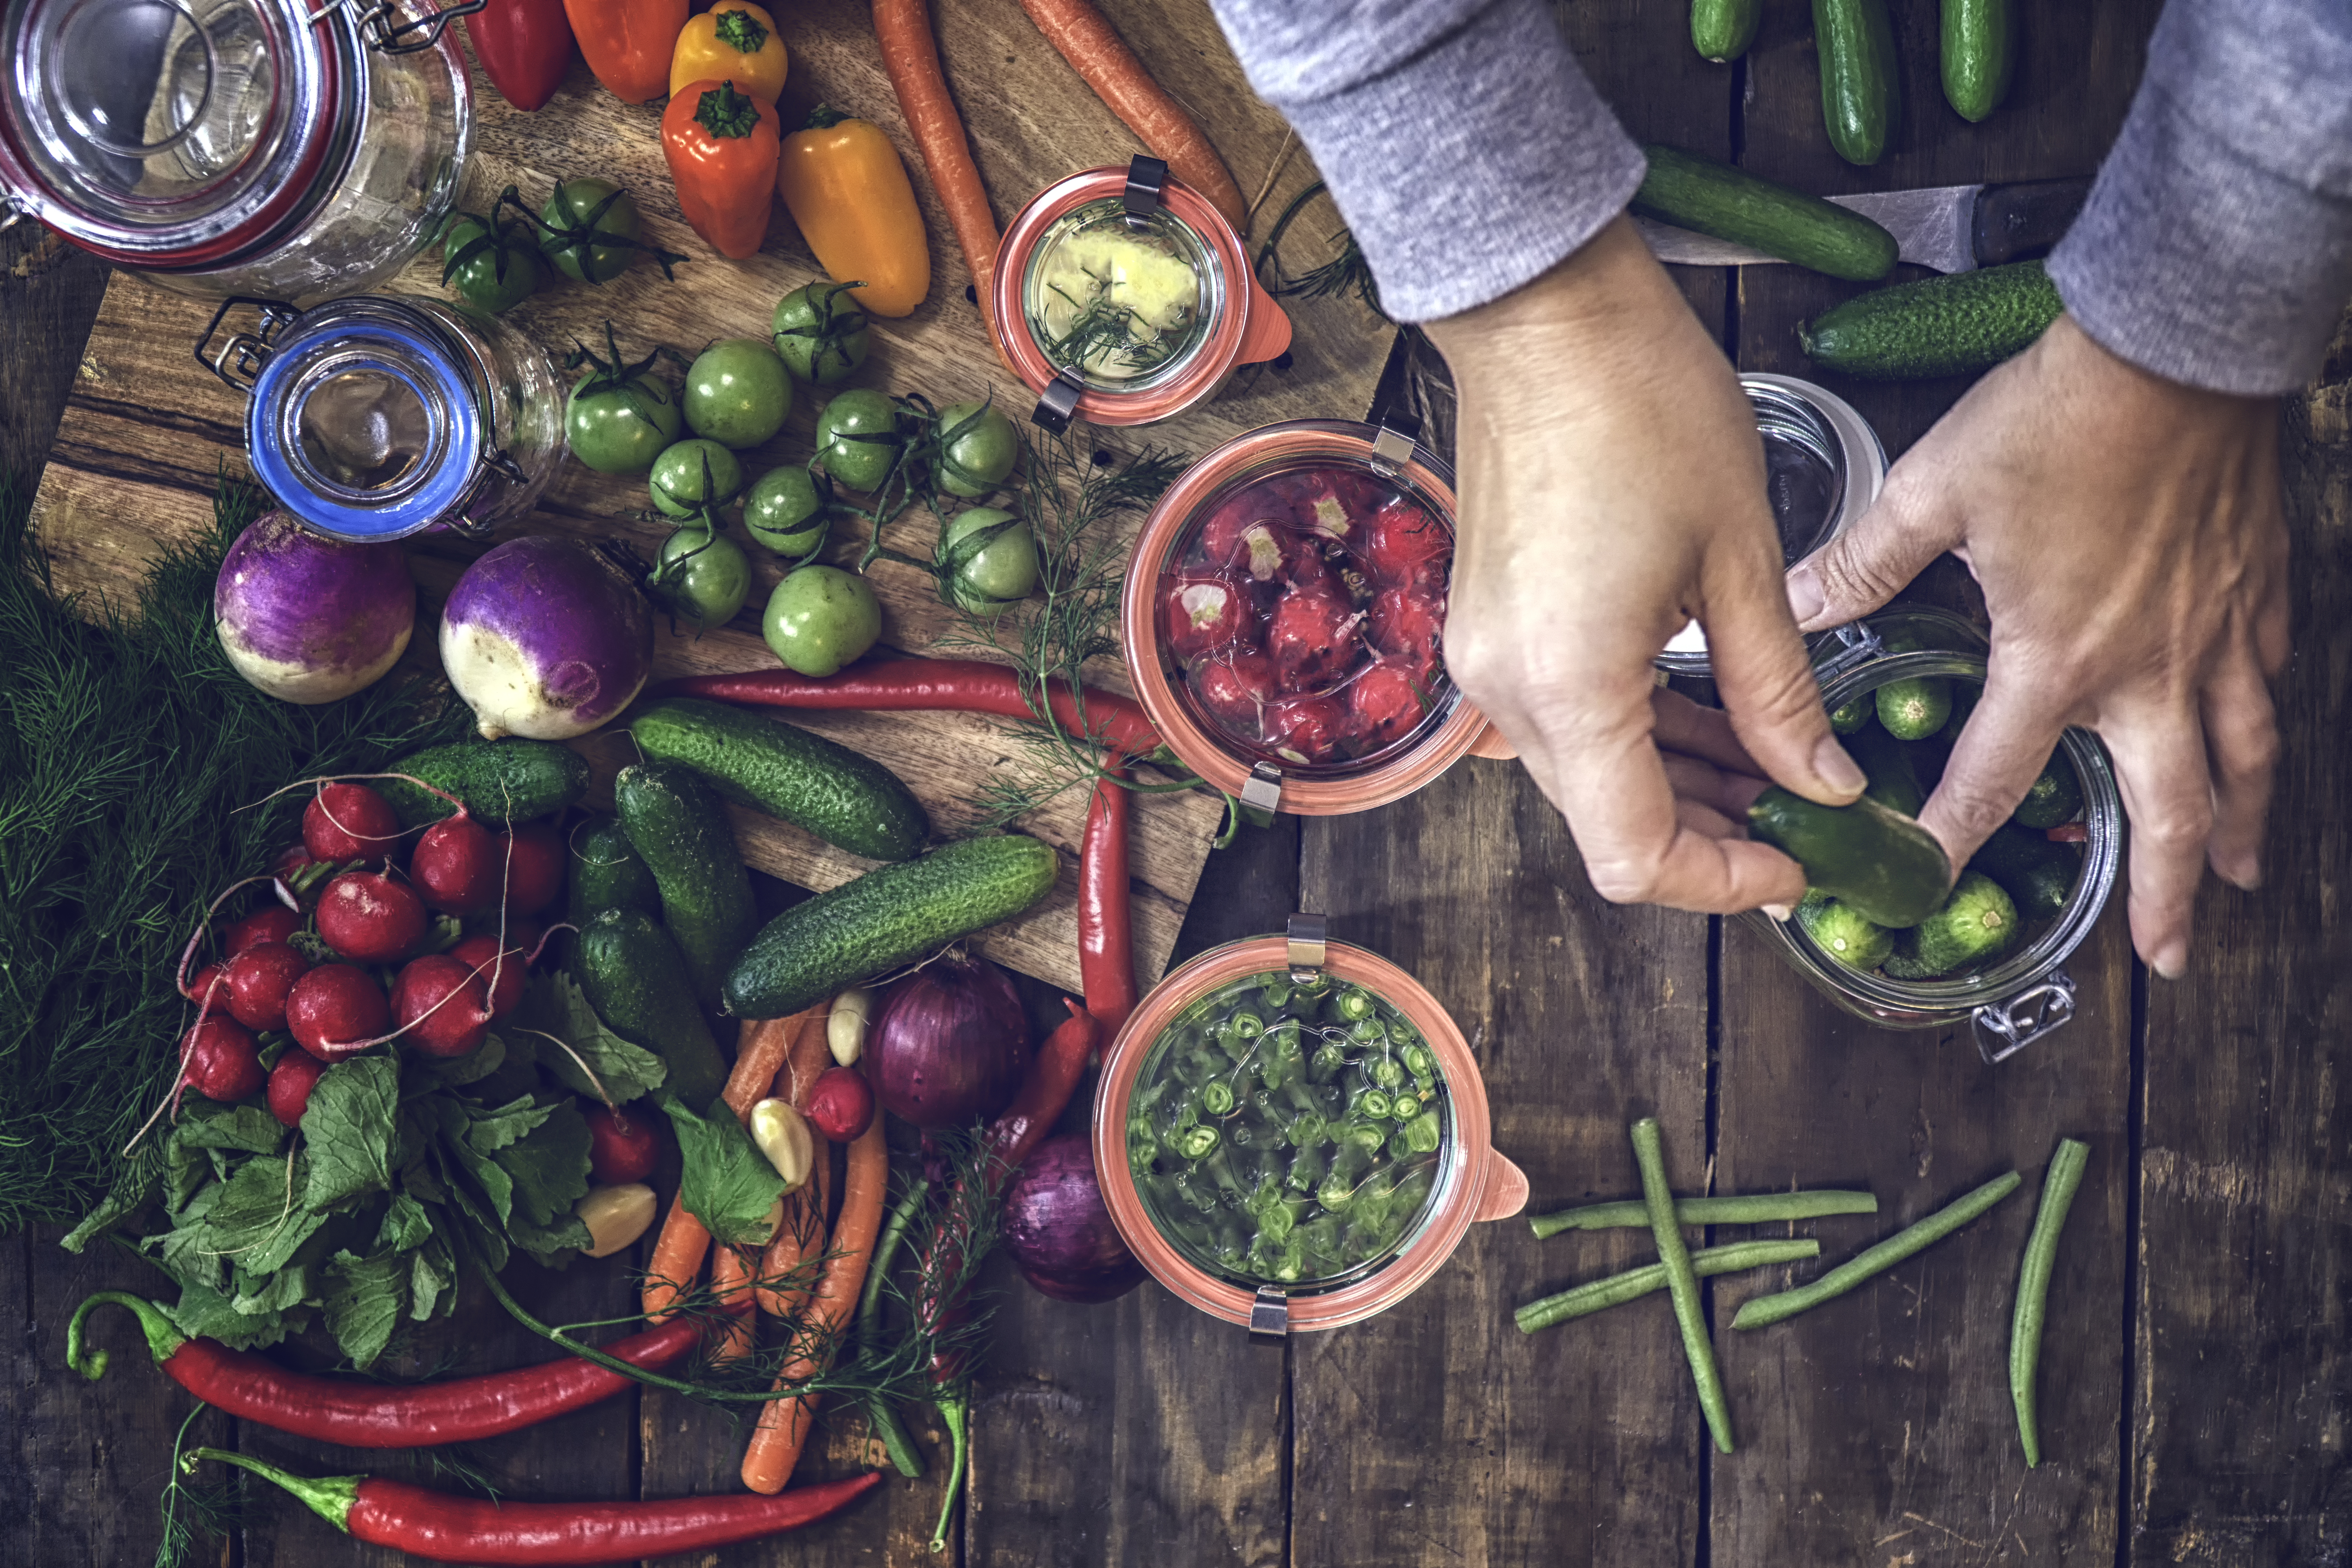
(725, 113)
(955, 1410)
(164, 1341)
(331, 1497)
(824, 117)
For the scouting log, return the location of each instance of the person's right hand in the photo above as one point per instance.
(1612, 489)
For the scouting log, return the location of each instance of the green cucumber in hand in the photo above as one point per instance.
(1888, 867)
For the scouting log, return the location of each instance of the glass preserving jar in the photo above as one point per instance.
(2026, 993)
(376, 416)
(1823, 467)
(1122, 297)
(1332, 1260)
(272, 148)
(1245, 757)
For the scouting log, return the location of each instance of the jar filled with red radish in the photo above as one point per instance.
(1284, 617)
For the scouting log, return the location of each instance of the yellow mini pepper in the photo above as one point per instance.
(733, 41)
(844, 184)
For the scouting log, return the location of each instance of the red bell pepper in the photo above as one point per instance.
(525, 47)
(721, 146)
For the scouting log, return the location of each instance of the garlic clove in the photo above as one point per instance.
(615, 1217)
(782, 1135)
(845, 1026)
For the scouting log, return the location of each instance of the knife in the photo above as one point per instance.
(1951, 228)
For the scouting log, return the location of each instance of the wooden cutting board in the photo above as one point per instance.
(149, 428)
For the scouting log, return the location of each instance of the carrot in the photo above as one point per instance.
(911, 54)
(802, 1235)
(1102, 58)
(785, 1423)
(729, 1278)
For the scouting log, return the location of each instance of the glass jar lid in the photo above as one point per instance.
(364, 421)
(171, 133)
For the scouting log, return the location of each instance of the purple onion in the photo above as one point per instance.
(949, 1043)
(1059, 1230)
(544, 637)
(309, 620)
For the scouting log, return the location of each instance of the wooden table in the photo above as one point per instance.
(2197, 1390)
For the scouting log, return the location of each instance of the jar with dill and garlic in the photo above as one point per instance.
(1289, 1132)
(1124, 298)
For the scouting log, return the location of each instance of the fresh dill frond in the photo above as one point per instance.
(1344, 272)
(1103, 332)
(196, 1512)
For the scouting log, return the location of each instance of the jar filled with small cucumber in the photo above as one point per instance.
(1885, 929)
(1288, 1130)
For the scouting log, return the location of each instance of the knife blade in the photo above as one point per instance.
(1950, 228)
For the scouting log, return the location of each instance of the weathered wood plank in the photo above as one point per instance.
(2244, 1386)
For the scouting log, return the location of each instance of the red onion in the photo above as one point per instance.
(1058, 1229)
(950, 1044)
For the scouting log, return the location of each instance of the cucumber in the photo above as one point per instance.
(1914, 707)
(2037, 875)
(1849, 716)
(499, 781)
(1722, 29)
(1977, 924)
(1938, 326)
(1980, 54)
(890, 916)
(1887, 866)
(1862, 95)
(635, 979)
(1837, 930)
(811, 782)
(1886, 762)
(2055, 795)
(679, 830)
(1708, 197)
(606, 873)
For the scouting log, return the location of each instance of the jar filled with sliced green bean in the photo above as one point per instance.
(1289, 1132)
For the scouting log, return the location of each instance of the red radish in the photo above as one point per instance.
(841, 1104)
(291, 859)
(1240, 537)
(272, 922)
(1309, 573)
(1385, 702)
(1305, 728)
(350, 822)
(1204, 611)
(367, 916)
(1409, 624)
(335, 1009)
(203, 980)
(455, 866)
(442, 1007)
(1234, 686)
(223, 1063)
(480, 954)
(1404, 546)
(291, 1082)
(1312, 639)
(621, 1148)
(1332, 502)
(258, 980)
(534, 870)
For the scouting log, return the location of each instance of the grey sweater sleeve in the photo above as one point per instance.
(2216, 248)
(1460, 142)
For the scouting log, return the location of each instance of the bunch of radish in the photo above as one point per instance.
(350, 955)
(1306, 614)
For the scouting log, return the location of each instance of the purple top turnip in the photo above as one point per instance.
(544, 637)
(309, 620)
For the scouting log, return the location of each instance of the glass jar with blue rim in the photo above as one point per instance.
(380, 415)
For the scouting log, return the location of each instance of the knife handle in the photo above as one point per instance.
(2025, 219)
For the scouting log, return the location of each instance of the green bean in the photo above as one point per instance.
(2058, 1187)
(1373, 1103)
(1759, 1208)
(1195, 1142)
(1676, 1256)
(1355, 1003)
(1386, 1072)
(1620, 1288)
(1763, 1310)
(1418, 1061)
(1217, 1098)
(1327, 1063)
(1426, 1132)
(1308, 1165)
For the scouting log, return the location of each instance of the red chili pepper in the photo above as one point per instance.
(252, 1387)
(2070, 833)
(525, 47)
(1105, 940)
(931, 685)
(446, 1529)
(1045, 1092)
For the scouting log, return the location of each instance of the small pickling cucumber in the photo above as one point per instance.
(1980, 54)
(2037, 875)
(1837, 930)
(1977, 924)
(1848, 717)
(1722, 29)
(634, 977)
(2054, 797)
(1728, 202)
(499, 781)
(1861, 80)
(1886, 762)
(1914, 707)
(1887, 866)
(679, 830)
(607, 873)
(1938, 326)
(811, 782)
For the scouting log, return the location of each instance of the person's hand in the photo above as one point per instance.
(2126, 533)
(1612, 489)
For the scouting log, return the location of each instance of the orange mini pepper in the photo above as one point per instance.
(844, 184)
(628, 43)
(733, 41)
(721, 147)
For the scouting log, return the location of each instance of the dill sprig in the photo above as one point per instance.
(127, 745)
(196, 1512)
(1100, 326)
(1344, 272)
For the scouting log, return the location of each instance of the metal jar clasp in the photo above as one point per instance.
(2004, 1028)
(239, 363)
